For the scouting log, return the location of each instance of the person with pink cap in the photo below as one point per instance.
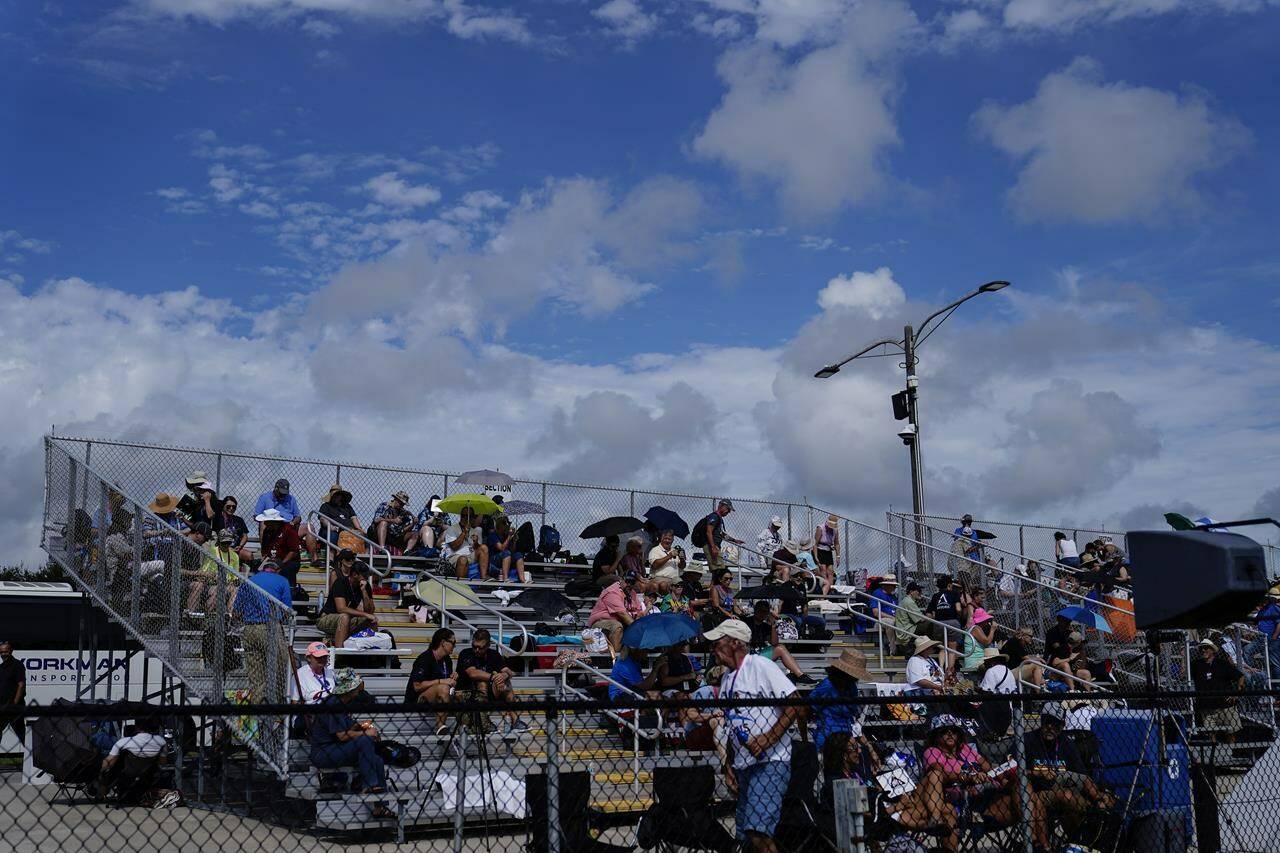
(313, 682)
(982, 635)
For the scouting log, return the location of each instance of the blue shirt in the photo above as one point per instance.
(889, 607)
(325, 727)
(288, 507)
(254, 607)
(829, 719)
(973, 533)
(625, 671)
(1267, 619)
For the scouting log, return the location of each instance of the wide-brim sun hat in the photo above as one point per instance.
(981, 615)
(163, 504)
(832, 521)
(196, 477)
(335, 490)
(346, 681)
(993, 654)
(852, 662)
(269, 514)
(923, 644)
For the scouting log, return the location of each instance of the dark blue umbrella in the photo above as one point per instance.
(1085, 617)
(659, 630)
(665, 519)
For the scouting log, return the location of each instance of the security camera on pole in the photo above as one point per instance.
(906, 403)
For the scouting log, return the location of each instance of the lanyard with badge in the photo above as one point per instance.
(737, 721)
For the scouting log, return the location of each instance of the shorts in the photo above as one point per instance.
(825, 557)
(716, 562)
(328, 623)
(1068, 780)
(607, 625)
(1222, 720)
(760, 790)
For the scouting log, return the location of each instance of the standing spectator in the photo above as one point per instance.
(826, 550)
(1065, 551)
(618, 606)
(907, 618)
(337, 507)
(483, 675)
(314, 680)
(843, 675)
(769, 542)
(714, 534)
(944, 607)
(200, 503)
(392, 525)
(604, 568)
(337, 740)
(666, 558)
(227, 519)
(761, 768)
(13, 690)
(348, 608)
(432, 678)
(1213, 673)
(507, 562)
(280, 544)
(924, 675)
(965, 530)
(260, 604)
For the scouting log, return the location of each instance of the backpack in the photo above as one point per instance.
(548, 540)
(524, 538)
(699, 534)
(398, 754)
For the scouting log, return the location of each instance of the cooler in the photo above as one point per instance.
(1133, 765)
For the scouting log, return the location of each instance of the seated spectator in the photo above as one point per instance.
(843, 675)
(392, 526)
(1060, 782)
(280, 544)
(337, 508)
(313, 681)
(995, 676)
(1025, 665)
(633, 558)
(698, 595)
(924, 674)
(483, 675)
(720, 601)
(965, 778)
(1065, 551)
(1069, 660)
(666, 558)
(908, 615)
(846, 755)
(673, 672)
(432, 678)
(337, 740)
(196, 571)
(227, 519)
(944, 607)
(1057, 641)
(165, 508)
(604, 568)
(884, 607)
(627, 677)
(617, 607)
(348, 608)
(431, 524)
(980, 636)
(147, 743)
(676, 601)
(797, 607)
(200, 503)
(704, 727)
(203, 597)
(282, 501)
(1213, 672)
(507, 562)
(764, 642)
(462, 547)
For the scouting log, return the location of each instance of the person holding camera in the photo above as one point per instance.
(666, 559)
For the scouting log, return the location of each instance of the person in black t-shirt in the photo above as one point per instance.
(226, 519)
(944, 608)
(604, 568)
(483, 674)
(1058, 775)
(432, 679)
(1057, 640)
(348, 608)
(13, 689)
(337, 506)
(1213, 672)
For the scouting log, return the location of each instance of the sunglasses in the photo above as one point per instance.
(228, 506)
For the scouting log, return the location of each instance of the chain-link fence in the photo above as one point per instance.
(843, 769)
(217, 634)
(143, 470)
(1016, 537)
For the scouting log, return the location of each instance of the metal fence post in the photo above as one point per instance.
(217, 474)
(135, 581)
(459, 805)
(219, 635)
(552, 727)
(101, 579)
(1024, 783)
(174, 577)
(632, 503)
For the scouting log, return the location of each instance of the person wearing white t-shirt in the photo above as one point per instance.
(996, 675)
(462, 545)
(666, 559)
(923, 672)
(758, 736)
(147, 742)
(1065, 551)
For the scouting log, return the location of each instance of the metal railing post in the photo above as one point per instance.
(220, 635)
(1023, 782)
(551, 724)
(135, 580)
(459, 805)
(103, 567)
(174, 573)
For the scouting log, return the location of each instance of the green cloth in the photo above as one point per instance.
(907, 618)
(972, 653)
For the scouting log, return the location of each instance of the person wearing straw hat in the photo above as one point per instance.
(392, 522)
(841, 683)
(337, 740)
(994, 672)
(337, 508)
(924, 675)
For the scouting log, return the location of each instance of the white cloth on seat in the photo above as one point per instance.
(497, 790)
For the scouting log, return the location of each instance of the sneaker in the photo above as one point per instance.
(519, 727)
(442, 731)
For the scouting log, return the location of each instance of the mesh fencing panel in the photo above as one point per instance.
(850, 771)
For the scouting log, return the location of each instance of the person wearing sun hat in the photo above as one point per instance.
(337, 740)
(337, 508)
(843, 675)
(923, 672)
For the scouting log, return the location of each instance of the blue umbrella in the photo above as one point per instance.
(1085, 617)
(659, 630)
(665, 519)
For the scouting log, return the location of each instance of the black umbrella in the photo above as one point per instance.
(665, 519)
(615, 526)
(547, 603)
(985, 534)
(781, 591)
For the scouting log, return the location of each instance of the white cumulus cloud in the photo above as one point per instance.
(388, 188)
(874, 293)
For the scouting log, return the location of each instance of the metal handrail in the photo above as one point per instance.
(447, 614)
(636, 731)
(329, 547)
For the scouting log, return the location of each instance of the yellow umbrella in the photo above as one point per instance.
(480, 504)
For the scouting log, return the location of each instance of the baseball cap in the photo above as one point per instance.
(776, 521)
(630, 577)
(282, 486)
(726, 503)
(269, 566)
(317, 649)
(733, 628)
(226, 536)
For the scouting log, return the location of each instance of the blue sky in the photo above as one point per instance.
(684, 205)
